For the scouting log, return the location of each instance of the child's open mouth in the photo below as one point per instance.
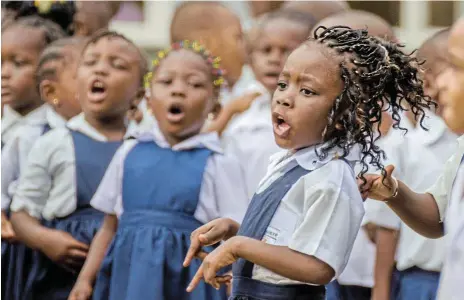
(176, 113)
(97, 91)
(281, 127)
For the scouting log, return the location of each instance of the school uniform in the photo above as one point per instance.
(453, 272)
(418, 259)
(250, 137)
(16, 257)
(12, 121)
(64, 169)
(14, 154)
(447, 192)
(160, 195)
(311, 205)
(441, 142)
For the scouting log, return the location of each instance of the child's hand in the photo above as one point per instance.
(210, 234)
(8, 233)
(222, 256)
(65, 250)
(82, 290)
(379, 187)
(243, 103)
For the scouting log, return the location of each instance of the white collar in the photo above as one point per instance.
(78, 123)
(54, 119)
(207, 140)
(308, 159)
(461, 141)
(36, 117)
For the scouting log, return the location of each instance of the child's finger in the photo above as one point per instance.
(389, 170)
(201, 255)
(192, 251)
(225, 279)
(196, 279)
(79, 245)
(78, 254)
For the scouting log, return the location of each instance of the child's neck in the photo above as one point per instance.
(25, 110)
(174, 140)
(113, 129)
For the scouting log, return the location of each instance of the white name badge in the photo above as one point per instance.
(271, 235)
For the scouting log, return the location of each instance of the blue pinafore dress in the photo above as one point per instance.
(257, 219)
(17, 260)
(92, 159)
(160, 190)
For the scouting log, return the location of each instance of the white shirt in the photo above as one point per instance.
(250, 137)
(438, 139)
(321, 213)
(418, 167)
(147, 123)
(222, 193)
(240, 88)
(442, 187)
(452, 276)
(47, 185)
(12, 121)
(14, 154)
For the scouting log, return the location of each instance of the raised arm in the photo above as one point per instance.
(418, 211)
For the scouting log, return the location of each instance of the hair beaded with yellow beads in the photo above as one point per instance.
(196, 47)
(44, 6)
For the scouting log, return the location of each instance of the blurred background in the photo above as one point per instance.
(147, 22)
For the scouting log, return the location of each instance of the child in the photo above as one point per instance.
(91, 16)
(162, 186)
(65, 166)
(425, 212)
(215, 26)
(318, 9)
(55, 77)
(22, 43)
(300, 226)
(249, 134)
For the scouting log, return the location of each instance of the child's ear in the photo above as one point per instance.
(217, 107)
(48, 92)
(138, 97)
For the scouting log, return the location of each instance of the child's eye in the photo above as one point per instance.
(19, 62)
(197, 85)
(267, 50)
(164, 81)
(88, 62)
(281, 86)
(119, 64)
(307, 92)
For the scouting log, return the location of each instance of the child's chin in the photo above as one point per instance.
(283, 143)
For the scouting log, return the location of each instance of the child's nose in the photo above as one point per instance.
(6, 70)
(178, 89)
(285, 101)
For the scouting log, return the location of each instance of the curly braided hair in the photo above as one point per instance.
(377, 76)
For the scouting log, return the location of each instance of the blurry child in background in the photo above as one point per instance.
(249, 134)
(91, 16)
(219, 29)
(163, 185)
(65, 166)
(56, 70)
(317, 9)
(22, 43)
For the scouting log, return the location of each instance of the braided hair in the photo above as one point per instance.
(104, 33)
(59, 12)
(377, 76)
(52, 59)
